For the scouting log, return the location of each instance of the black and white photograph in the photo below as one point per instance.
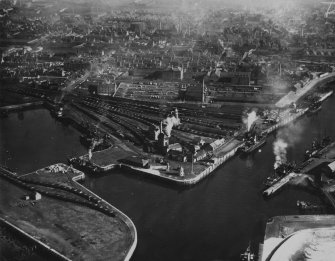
(167, 130)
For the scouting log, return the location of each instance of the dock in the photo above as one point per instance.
(109, 159)
(278, 185)
(223, 156)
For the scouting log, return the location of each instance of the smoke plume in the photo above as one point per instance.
(169, 122)
(280, 151)
(287, 137)
(250, 119)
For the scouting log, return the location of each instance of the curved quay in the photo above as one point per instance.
(126, 219)
(20, 181)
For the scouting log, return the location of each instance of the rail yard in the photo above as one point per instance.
(157, 95)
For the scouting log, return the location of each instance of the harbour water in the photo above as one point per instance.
(213, 220)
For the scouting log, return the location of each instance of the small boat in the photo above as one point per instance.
(270, 181)
(316, 147)
(304, 205)
(315, 107)
(247, 255)
(284, 169)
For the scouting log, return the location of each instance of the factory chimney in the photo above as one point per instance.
(89, 154)
(182, 73)
(161, 127)
(203, 91)
(176, 113)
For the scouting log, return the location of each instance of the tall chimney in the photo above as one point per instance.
(182, 73)
(203, 91)
(89, 154)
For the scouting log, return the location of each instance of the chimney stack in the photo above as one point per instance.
(182, 73)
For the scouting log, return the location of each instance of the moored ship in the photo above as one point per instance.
(285, 168)
(315, 107)
(316, 147)
(252, 145)
(307, 206)
(271, 180)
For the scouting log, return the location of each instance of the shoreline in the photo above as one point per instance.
(97, 203)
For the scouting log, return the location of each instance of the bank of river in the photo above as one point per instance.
(213, 220)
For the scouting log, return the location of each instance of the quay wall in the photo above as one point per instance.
(193, 180)
(210, 169)
(124, 217)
